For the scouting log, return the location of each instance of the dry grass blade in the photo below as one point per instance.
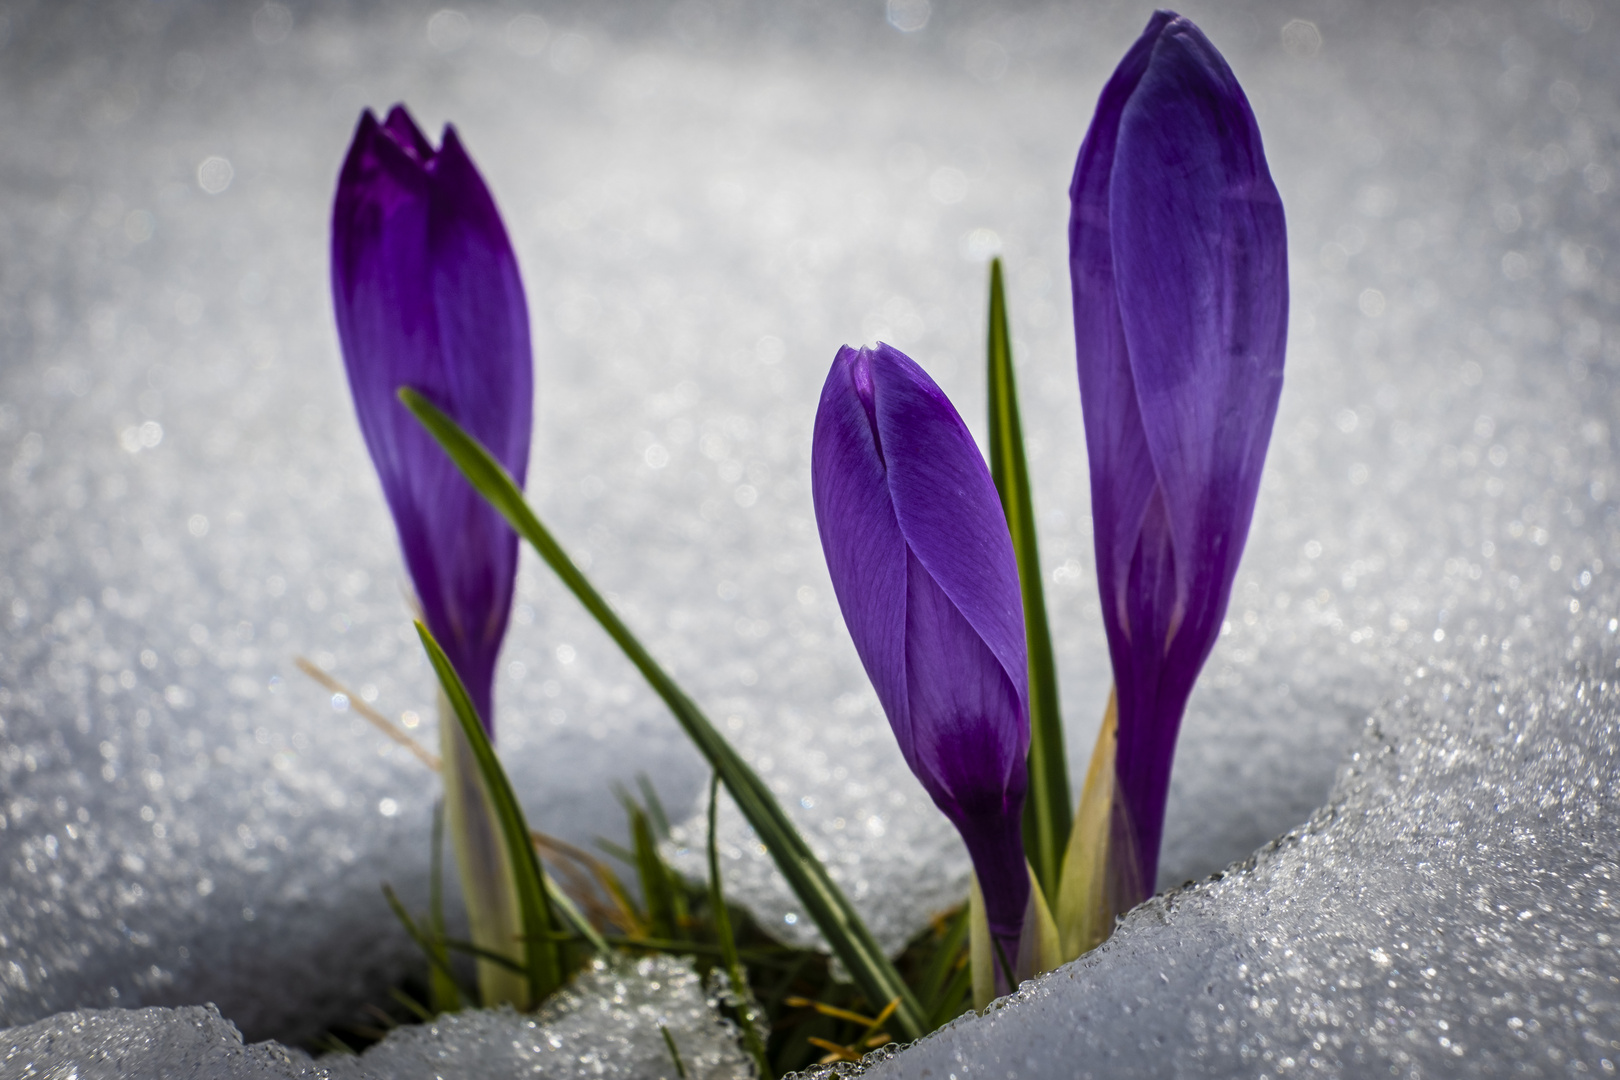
(833, 1011)
(378, 720)
(834, 1051)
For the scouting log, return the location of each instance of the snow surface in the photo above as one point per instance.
(610, 1023)
(1453, 911)
(707, 200)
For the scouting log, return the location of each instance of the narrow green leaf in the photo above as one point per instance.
(1047, 811)
(674, 1054)
(823, 900)
(623, 854)
(478, 952)
(781, 959)
(656, 888)
(438, 961)
(953, 1002)
(331, 1044)
(575, 918)
(942, 963)
(417, 1009)
(655, 808)
(542, 960)
(728, 943)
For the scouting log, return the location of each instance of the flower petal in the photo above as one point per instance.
(950, 515)
(483, 317)
(922, 563)
(866, 554)
(1122, 476)
(402, 129)
(427, 295)
(1178, 255)
(971, 732)
(1200, 256)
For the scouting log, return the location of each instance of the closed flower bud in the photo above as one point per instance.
(1178, 256)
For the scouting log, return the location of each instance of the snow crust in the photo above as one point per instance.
(609, 1023)
(1452, 911)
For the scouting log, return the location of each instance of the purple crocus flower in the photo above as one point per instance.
(1177, 250)
(428, 296)
(923, 566)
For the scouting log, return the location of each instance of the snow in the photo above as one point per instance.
(611, 1023)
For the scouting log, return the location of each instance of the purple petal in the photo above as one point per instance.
(1122, 476)
(866, 554)
(482, 311)
(402, 129)
(971, 731)
(427, 295)
(1199, 250)
(922, 563)
(949, 511)
(1180, 284)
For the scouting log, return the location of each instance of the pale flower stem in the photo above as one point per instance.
(494, 918)
(1083, 918)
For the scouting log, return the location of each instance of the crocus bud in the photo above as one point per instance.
(428, 296)
(1177, 251)
(923, 566)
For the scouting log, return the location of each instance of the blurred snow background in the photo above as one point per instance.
(707, 200)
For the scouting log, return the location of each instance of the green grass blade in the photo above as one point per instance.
(618, 851)
(478, 952)
(438, 959)
(674, 1054)
(823, 900)
(954, 1001)
(575, 918)
(656, 888)
(543, 962)
(943, 962)
(655, 808)
(417, 1009)
(728, 943)
(1047, 812)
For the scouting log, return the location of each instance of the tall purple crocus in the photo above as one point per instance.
(923, 567)
(428, 296)
(1177, 250)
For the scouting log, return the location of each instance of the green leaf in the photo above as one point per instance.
(543, 962)
(728, 944)
(1046, 809)
(417, 1009)
(655, 808)
(433, 947)
(824, 902)
(946, 954)
(575, 918)
(953, 1002)
(623, 854)
(656, 887)
(674, 1054)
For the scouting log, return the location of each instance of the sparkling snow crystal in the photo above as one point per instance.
(610, 1024)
